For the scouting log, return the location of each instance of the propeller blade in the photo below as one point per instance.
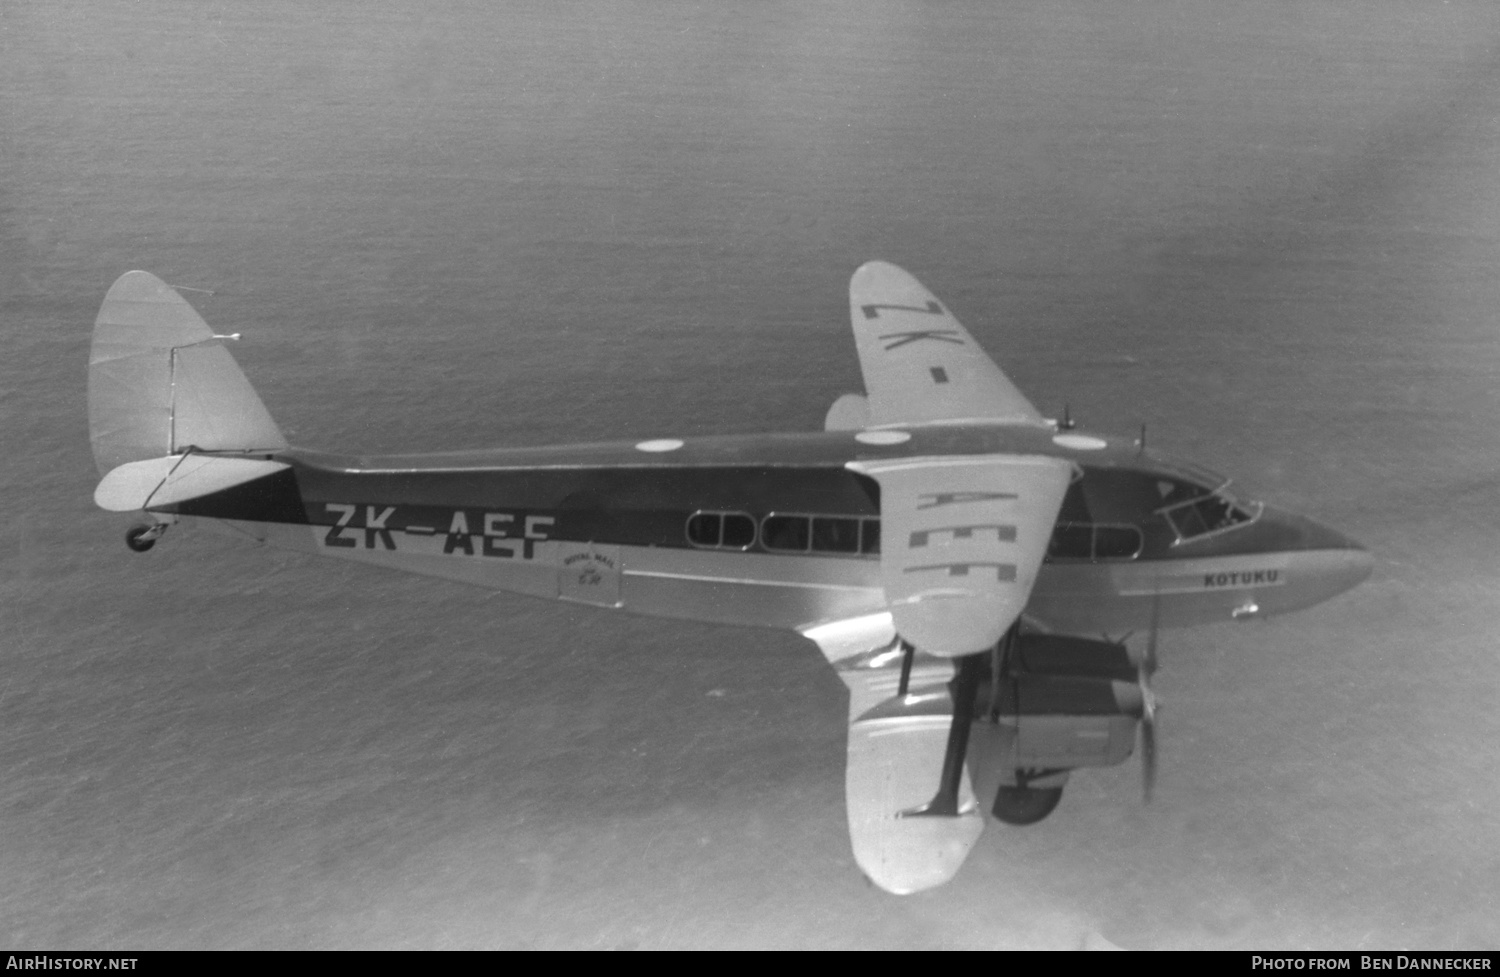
(1148, 752)
(1000, 665)
(1144, 672)
(1148, 664)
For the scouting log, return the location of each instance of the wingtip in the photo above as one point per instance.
(881, 281)
(878, 269)
(140, 286)
(917, 854)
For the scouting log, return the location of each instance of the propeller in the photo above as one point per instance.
(1144, 671)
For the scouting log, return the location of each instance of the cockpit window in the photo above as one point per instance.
(1196, 510)
(1116, 512)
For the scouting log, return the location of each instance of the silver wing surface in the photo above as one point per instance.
(963, 537)
(920, 365)
(895, 751)
(962, 540)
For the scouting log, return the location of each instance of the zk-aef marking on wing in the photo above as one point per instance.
(1004, 572)
(921, 537)
(931, 308)
(917, 335)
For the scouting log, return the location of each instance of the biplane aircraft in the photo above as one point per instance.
(960, 560)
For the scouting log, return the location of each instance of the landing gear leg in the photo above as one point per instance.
(142, 538)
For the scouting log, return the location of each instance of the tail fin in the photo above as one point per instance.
(161, 382)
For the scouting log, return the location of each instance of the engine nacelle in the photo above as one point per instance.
(1065, 702)
(1048, 722)
(1060, 654)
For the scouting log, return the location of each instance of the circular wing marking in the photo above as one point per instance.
(1080, 442)
(882, 437)
(660, 444)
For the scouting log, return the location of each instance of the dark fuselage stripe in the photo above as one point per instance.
(630, 506)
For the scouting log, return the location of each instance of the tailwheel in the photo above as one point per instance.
(142, 538)
(1025, 805)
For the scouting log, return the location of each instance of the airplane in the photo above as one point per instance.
(960, 560)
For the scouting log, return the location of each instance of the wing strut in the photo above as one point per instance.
(964, 688)
(908, 652)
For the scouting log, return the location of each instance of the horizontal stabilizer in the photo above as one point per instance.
(158, 482)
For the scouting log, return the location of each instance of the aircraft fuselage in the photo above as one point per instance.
(779, 531)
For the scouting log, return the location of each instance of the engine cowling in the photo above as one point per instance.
(1058, 721)
(1063, 702)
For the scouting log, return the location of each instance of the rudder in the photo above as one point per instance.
(161, 383)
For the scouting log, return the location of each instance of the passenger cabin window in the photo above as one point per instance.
(830, 535)
(1071, 541)
(721, 530)
(1117, 542)
(705, 528)
(789, 534)
(1088, 541)
(819, 534)
(739, 531)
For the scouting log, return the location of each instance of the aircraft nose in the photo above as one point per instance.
(1338, 561)
(1352, 566)
(1316, 536)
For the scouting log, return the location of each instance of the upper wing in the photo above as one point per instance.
(920, 365)
(962, 540)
